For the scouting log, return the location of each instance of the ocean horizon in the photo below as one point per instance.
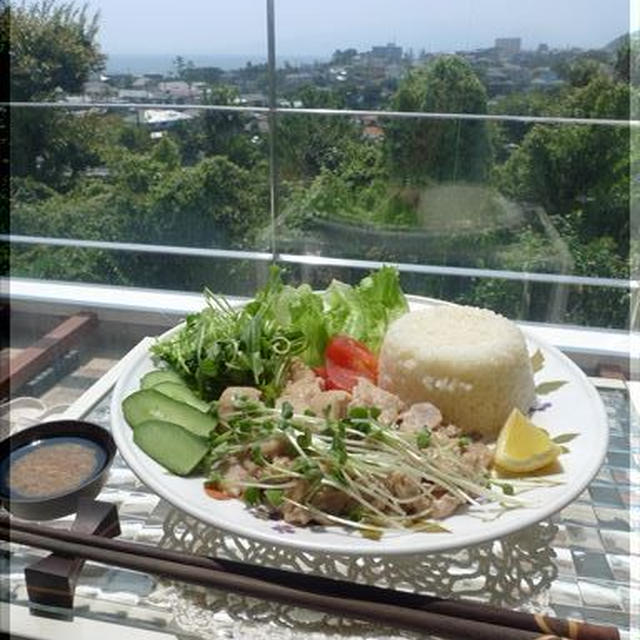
(139, 63)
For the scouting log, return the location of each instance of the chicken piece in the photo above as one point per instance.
(366, 394)
(274, 447)
(252, 468)
(292, 513)
(419, 416)
(334, 401)
(443, 434)
(444, 506)
(298, 370)
(405, 488)
(235, 473)
(231, 395)
(450, 430)
(282, 461)
(478, 456)
(331, 501)
(300, 393)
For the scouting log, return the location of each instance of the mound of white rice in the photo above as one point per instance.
(471, 363)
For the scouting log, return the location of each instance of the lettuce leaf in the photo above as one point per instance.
(365, 311)
(307, 315)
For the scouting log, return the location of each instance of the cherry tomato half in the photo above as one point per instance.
(346, 360)
(352, 354)
(341, 378)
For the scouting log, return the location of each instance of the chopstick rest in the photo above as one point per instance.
(51, 581)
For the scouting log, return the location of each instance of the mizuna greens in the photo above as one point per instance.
(252, 345)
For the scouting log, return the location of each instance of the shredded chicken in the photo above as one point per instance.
(274, 448)
(407, 490)
(298, 370)
(305, 392)
(291, 512)
(478, 456)
(332, 501)
(235, 473)
(444, 506)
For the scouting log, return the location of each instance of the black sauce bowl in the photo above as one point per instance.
(60, 504)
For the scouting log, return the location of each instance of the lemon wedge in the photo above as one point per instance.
(522, 446)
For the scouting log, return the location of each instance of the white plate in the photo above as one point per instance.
(575, 407)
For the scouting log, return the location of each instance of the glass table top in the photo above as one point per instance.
(578, 564)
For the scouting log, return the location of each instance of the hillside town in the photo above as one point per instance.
(365, 80)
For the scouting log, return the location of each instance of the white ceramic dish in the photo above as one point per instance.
(575, 407)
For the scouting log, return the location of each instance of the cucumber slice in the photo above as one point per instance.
(170, 445)
(157, 376)
(182, 393)
(149, 404)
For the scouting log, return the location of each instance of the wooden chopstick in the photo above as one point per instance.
(446, 618)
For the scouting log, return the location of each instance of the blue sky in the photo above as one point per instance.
(312, 27)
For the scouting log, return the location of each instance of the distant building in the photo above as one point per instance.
(394, 71)
(253, 99)
(163, 118)
(95, 89)
(373, 132)
(388, 53)
(371, 129)
(141, 82)
(298, 78)
(134, 95)
(177, 90)
(508, 46)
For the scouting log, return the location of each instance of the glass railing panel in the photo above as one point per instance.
(143, 127)
(497, 173)
(550, 217)
(109, 176)
(233, 276)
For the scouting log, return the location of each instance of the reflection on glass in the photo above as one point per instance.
(449, 184)
(468, 192)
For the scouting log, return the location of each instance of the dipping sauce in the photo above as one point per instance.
(52, 466)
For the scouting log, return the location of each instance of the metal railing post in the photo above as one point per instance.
(272, 119)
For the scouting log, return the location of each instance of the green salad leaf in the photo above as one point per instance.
(365, 311)
(253, 345)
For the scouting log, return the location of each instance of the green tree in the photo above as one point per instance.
(308, 144)
(439, 149)
(52, 46)
(157, 199)
(210, 75)
(586, 167)
(148, 197)
(506, 134)
(582, 71)
(222, 133)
